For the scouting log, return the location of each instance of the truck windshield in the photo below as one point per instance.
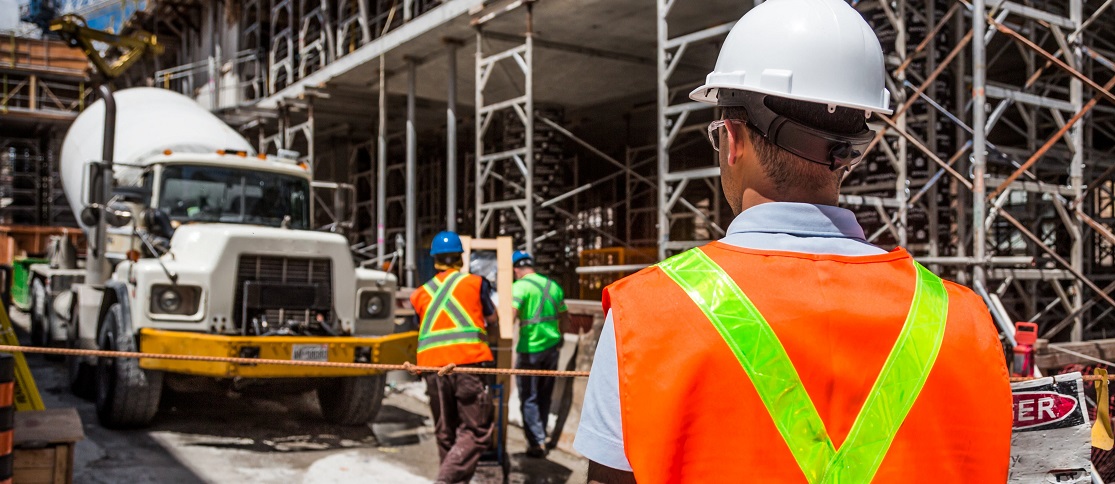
(228, 195)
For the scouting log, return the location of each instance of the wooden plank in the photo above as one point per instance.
(33, 476)
(65, 74)
(1046, 357)
(40, 53)
(18, 239)
(35, 458)
(64, 464)
(51, 426)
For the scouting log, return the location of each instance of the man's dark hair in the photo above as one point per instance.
(452, 259)
(787, 169)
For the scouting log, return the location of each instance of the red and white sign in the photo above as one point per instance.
(1052, 439)
(1032, 409)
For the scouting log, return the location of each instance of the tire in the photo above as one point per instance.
(351, 400)
(79, 373)
(40, 314)
(127, 395)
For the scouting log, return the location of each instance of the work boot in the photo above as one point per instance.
(536, 451)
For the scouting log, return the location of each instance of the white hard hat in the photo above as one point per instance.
(820, 51)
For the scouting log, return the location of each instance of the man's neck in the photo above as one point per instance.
(752, 198)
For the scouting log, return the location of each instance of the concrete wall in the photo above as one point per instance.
(569, 394)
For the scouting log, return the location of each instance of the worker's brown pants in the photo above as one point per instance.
(463, 423)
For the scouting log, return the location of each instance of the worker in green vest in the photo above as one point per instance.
(540, 313)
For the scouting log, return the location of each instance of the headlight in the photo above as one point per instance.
(170, 301)
(177, 300)
(375, 305)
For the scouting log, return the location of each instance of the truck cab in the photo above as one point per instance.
(226, 246)
(209, 250)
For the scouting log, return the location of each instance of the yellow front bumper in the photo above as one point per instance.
(390, 349)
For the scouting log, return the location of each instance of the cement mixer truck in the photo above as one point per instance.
(200, 246)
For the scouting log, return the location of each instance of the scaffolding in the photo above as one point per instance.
(505, 168)
(995, 168)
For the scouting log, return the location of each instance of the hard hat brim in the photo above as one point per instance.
(707, 94)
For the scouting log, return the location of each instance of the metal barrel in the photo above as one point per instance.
(7, 415)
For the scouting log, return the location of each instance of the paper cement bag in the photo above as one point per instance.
(1052, 438)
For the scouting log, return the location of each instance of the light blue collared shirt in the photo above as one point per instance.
(788, 227)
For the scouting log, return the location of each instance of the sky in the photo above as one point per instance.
(9, 15)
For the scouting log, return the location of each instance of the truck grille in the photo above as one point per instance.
(278, 275)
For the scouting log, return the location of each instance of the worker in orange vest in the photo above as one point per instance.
(792, 350)
(457, 316)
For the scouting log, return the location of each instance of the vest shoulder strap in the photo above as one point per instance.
(779, 386)
(547, 298)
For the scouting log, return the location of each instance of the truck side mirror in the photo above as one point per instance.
(158, 223)
(90, 215)
(118, 215)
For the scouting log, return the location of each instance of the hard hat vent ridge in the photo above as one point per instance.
(820, 51)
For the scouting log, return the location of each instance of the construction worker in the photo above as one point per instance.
(457, 317)
(792, 350)
(540, 313)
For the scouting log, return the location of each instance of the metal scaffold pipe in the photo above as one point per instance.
(979, 137)
(451, 141)
(381, 167)
(411, 178)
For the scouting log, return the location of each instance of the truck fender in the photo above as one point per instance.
(116, 292)
(63, 305)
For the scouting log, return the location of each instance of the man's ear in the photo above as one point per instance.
(739, 141)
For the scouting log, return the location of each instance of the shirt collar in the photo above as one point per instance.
(798, 219)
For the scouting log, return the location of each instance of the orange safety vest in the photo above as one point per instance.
(691, 413)
(452, 326)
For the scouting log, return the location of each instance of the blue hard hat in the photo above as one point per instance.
(446, 242)
(519, 256)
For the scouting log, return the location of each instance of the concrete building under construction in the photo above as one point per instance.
(566, 124)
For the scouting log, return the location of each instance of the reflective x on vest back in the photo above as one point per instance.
(538, 317)
(443, 302)
(778, 385)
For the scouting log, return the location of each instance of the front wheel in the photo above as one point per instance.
(127, 395)
(351, 400)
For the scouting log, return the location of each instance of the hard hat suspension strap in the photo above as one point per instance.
(836, 151)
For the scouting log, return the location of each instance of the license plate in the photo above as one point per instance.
(310, 352)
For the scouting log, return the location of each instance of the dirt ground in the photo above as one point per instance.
(206, 432)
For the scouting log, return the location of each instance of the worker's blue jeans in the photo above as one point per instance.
(535, 393)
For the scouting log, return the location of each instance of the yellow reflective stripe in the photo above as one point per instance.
(437, 304)
(446, 338)
(778, 385)
(898, 385)
(464, 331)
(761, 355)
